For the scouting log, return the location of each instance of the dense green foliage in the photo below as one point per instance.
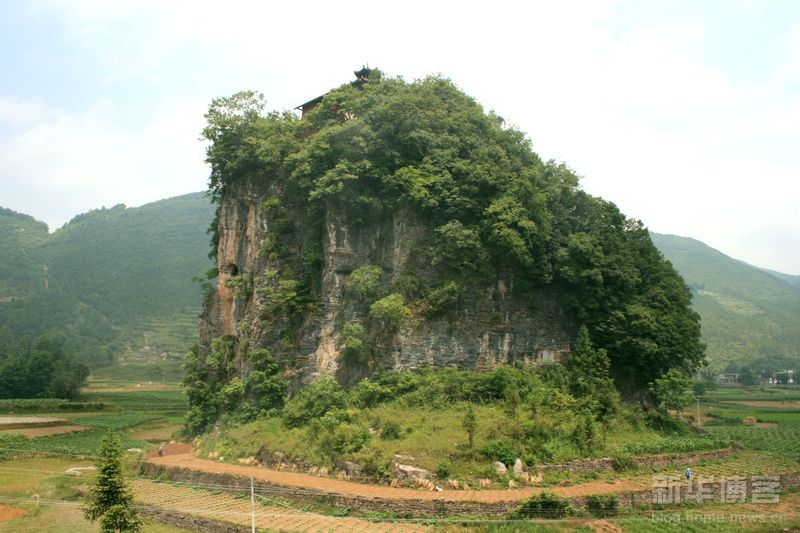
(669, 391)
(490, 205)
(750, 317)
(109, 278)
(215, 384)
(535, 415)
(110, 501)
(544, 505)
(602, 505)
(45, 368)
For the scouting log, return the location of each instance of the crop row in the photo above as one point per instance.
(41, 405)
(677, 445)
(161, 400)
(782, 440)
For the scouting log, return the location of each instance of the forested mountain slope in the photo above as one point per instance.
(747, 313)
(111, 280)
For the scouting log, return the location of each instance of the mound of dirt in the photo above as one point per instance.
(173, 448)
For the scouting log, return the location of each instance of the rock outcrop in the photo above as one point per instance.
(490, 325)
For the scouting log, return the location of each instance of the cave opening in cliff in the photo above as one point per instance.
(233, 270)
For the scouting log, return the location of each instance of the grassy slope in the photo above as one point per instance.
(116, 276)
(429, 436)
(747, 313)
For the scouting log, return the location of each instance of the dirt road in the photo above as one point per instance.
(348, 488)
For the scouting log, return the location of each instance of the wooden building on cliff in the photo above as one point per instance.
(362, 77)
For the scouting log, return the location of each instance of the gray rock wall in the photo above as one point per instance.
(491, 325)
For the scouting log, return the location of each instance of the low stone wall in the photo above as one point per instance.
(649, 461)
(190, 522)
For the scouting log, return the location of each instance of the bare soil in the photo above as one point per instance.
(44, 431)
(10, 513)
(174, 448)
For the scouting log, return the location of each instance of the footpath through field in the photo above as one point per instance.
(348, 488)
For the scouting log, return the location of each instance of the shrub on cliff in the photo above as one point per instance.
(390, 310)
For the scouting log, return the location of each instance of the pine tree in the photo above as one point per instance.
(110, 501)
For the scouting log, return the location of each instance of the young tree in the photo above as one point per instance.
(589, 374)
(470, 424)
(110, 501)
(670, 389)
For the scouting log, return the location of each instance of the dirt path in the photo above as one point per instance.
(227, 508)
(306, 481)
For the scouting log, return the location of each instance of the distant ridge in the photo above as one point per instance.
(748, 313)
(788, 278)
(112, 280)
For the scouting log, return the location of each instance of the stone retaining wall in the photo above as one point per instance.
(190, 522)
(649, 461)
(410, 508)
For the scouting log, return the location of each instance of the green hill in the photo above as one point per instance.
(747, 313)
(111, 280)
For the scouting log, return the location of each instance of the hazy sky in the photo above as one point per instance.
(685, 114)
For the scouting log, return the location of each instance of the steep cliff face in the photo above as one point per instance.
(488, 325)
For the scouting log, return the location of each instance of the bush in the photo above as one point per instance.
(390, 310)
(364, 283)
(502, 451)
(585, 435)
(355, 347)
(444, 469)
(544, 505)
(442, 298)
(343, 438)
(602, 505)
(313, 401)
(391, 430)
(623, 462)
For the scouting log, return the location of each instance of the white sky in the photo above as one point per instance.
(685, 116)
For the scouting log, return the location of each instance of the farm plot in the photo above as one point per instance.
(13, 422)
(781, 440)
(142, 400)
(83, 443)
(237, 510)
(35, 426)
(744, 463)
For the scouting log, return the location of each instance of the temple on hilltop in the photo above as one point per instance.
(362, 77)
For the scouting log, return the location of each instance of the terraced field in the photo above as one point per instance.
(237, 510)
